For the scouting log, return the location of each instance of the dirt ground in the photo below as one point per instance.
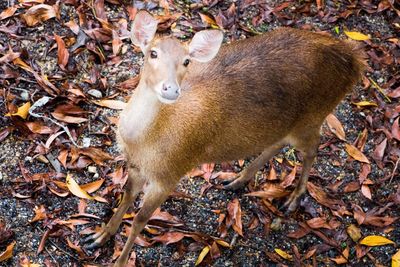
(28, 168)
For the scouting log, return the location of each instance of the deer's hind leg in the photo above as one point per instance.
(248, 173)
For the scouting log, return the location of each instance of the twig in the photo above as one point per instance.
(41, 102)
(380, 90)
(51, 255)
(394, 170)
(234, 238)
(54, 244)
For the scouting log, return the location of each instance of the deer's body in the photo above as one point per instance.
(252, 98)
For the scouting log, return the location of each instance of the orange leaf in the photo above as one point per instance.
(8, 253)
(366, 191)
(356, 154)
(39, 13)
(8, 12)
(22, 111)
(93, 186)
(336, 127)
(62, 52)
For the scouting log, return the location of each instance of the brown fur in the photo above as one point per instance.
(253, 97)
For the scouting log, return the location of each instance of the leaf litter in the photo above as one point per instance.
(60, 51)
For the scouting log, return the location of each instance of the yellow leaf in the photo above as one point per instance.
(76, 189)
(8, 253)
(283, 254)
(356, 153)
(223, 243)
(375, 240)
(396, 259)
(203, 253)
(358, 36)
(22, 111)
(365, 104)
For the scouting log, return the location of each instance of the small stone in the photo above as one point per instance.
(276, 224)
(86, 142)
(95, 93)
(25, 96)
(92, 169)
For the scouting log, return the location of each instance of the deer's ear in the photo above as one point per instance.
(205, 45)
(143, 30)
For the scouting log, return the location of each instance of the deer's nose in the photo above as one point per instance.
(170, 91)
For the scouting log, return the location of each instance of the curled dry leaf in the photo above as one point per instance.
(169, 238)
(343, 258)
(365, 104)
(376, 240)
(40, 214)
(75, 189)
(39, 13)
(8, 253)
(336, 127)
(356, 154)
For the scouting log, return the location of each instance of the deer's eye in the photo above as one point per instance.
(153, 54)
(186, 62)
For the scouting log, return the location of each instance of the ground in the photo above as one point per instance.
(80, 66)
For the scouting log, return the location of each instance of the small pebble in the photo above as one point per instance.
(95, 93)
(92, 169)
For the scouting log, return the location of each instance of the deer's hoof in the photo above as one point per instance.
(97, 239)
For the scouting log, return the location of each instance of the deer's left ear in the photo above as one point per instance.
(205, 45)
(144, 28)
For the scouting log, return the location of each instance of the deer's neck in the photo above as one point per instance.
(140, 113)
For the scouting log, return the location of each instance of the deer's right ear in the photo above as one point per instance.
(144, 28)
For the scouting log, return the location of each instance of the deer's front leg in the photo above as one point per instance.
(155, 194)
(133, 186)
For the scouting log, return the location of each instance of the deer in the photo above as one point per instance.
(201, 101)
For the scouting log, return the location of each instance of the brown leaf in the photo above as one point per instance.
(343, 258)
(321, 197)
(9, 56)
(379, 151)
(96, 154)
(8, 253)
(235, 213)
(77, 248)
(288, 180)
(40, 214)
(366, 191)
(270, 191)
(356, 154)
(396, 129)
(351, 187)
(336, 127)
(208, 21)
(110, 103)
(8, 12)
(67, 118)
(99, 9)
(62, 52)
(354, 232)
(317, 223)
(169, 237)
(39, 13)
(39, 128)
(116, 43)
(93, 186)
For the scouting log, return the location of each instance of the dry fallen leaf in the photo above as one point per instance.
(75, 189)
(8, 253)
(202, 255)
(336, 127)
(396, 259)
(356, 154)
(358, 36)
(22, 111)
(283, 254)
(62, 52)
(112, 104)
(39, 13)
(354, 232)
(376, 240)
(365, 104)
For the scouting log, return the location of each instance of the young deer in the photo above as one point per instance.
(195, 105)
